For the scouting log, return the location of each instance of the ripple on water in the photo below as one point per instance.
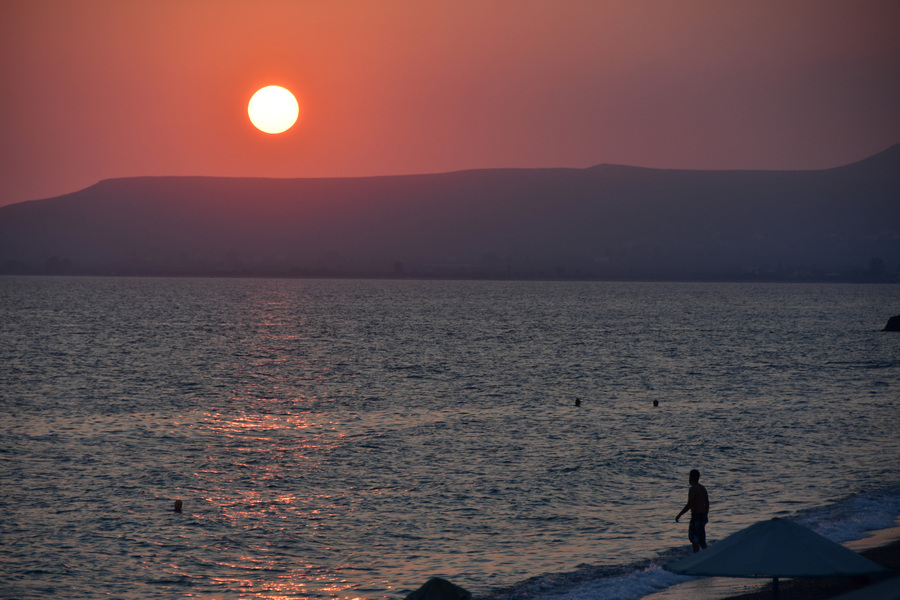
(338, 439)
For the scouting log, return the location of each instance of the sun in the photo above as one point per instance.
(273, 109)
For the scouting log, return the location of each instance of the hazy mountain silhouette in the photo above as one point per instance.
(607, 221)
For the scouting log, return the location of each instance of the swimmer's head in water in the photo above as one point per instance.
(177, 506)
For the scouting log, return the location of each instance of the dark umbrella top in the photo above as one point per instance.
(775, 548)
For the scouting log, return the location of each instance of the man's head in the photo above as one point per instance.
(694, 477)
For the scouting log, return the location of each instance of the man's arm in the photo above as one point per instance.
(687, 506)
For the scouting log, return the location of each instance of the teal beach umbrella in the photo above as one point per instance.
(775, 548)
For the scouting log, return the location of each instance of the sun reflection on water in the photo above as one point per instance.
(304, 580)
(258, 459)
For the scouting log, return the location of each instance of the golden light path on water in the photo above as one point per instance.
(257, 438)
(269, 446)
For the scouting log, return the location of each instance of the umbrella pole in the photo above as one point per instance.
(775, 588)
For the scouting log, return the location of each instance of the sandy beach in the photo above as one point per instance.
(881, 547)
(818, 589)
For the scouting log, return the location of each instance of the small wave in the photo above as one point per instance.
(852, 517)
(631, 582)
(565, 469)
(870, 364)
(631, 586)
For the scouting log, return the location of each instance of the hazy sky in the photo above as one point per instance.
(96, 89)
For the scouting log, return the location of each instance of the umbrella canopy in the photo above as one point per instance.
(775, 548)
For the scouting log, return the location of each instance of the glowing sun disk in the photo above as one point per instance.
(273, 109)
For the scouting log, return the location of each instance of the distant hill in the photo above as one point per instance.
(605, 222)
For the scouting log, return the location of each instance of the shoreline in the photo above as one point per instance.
(880, 546)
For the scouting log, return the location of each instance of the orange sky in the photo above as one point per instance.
(97, 89)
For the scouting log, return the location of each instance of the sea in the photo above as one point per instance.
(340, 439)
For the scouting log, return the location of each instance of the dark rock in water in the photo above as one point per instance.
(439, 589)
(893, 324)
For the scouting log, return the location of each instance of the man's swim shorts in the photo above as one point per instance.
(697, 529)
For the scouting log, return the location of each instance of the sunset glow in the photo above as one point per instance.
(409, 87)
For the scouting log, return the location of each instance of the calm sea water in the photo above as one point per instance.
(351, 439)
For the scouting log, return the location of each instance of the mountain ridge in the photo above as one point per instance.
(602, 222)
(892, 153)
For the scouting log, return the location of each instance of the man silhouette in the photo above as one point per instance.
(698, 504)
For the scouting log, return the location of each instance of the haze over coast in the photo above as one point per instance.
(604, 222)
